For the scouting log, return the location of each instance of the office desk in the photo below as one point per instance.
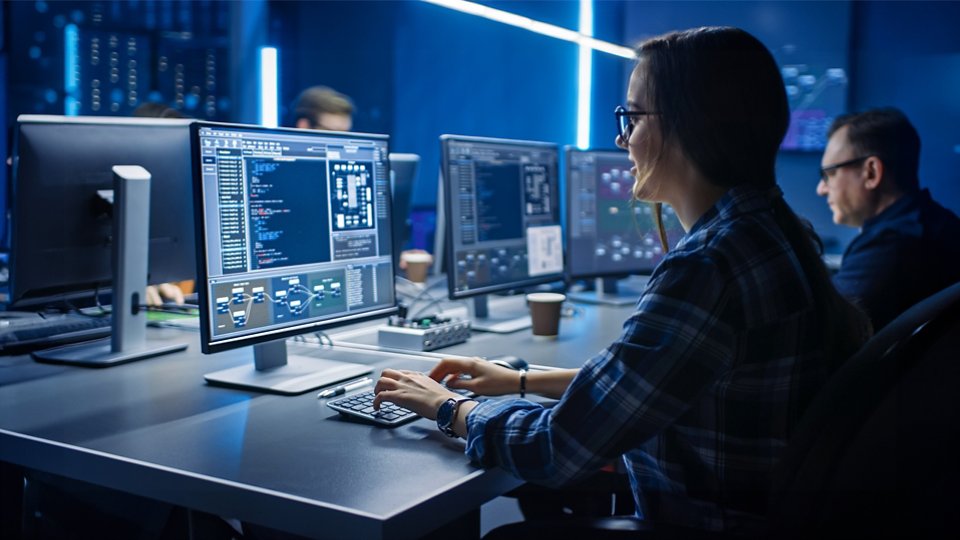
(153, 428)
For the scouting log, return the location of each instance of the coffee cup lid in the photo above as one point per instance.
(546, 297)
(417, 257)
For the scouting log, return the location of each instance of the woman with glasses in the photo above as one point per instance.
(738, 327)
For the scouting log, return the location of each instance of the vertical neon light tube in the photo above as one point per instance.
(268, 87)
(585, 76)
(71, 70)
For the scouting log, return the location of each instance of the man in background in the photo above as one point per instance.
(909, 246)
(321, 107)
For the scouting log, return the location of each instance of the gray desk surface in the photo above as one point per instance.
(584, 334)
(153, 428)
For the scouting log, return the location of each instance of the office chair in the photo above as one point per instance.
(875, 455)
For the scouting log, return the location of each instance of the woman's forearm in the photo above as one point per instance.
(551, 384)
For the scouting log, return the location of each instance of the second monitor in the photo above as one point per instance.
(502, 210)
(609, 236)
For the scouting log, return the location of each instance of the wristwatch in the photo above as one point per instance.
(447, 413)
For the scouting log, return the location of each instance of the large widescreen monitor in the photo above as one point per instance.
(608, 235)
(502, 212)
(293, 236)
(61, 212)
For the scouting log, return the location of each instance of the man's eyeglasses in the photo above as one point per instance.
(625, 121)
(825, 171)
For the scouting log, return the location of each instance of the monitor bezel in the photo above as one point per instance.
(448, 201)
(209, 346)
(569, 151)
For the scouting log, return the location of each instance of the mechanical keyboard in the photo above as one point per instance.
(45, 333)
(360, 406)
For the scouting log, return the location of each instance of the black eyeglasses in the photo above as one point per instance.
(825, 171)
(625, 121)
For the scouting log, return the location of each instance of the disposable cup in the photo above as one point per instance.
(545, 313)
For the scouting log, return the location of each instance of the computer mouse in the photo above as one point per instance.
(508, 361)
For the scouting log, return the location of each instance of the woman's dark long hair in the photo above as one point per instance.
(720, 96)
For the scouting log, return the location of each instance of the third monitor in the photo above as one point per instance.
(610, 236)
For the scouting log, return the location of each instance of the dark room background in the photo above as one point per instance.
(416, 70)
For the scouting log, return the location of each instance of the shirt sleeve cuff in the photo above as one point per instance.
(480, 417)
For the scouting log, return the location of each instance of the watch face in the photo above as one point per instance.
(445, 416)
(445, 412)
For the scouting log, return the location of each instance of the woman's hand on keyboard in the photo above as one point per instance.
(485, 379)
(412, 390)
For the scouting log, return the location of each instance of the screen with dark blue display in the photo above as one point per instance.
(296, 229)
(287, 225)
(502, 200)
(497, 183)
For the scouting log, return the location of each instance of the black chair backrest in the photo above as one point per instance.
(876, 452)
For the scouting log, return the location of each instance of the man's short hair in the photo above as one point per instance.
(153, 109)
(888, 134)
(317, 100)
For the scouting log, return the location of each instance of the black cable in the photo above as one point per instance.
(323, 336)
(437, 302)
(421, 291)
(96, 297)
(74, 309)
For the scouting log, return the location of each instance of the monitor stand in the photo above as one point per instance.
(607, 292)
(277, 372)
(501, 323)
(128, 340)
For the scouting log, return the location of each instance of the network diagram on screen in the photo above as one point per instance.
(610, 233)
(506, 213)
(817, 95)
(297, 227)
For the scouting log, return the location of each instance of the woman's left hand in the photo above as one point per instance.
(412, 390)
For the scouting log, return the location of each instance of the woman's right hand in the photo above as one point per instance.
(484, 378)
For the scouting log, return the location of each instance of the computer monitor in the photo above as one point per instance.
(502, 213)
(608, 235)
(403, 175)
(61, 222)
(293, 235)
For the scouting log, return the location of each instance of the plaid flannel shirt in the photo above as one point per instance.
(701, 390)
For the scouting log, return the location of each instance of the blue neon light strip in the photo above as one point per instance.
(269, 109)
(532, 25)
(71, 70)
(585, 76)
(584, 39)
